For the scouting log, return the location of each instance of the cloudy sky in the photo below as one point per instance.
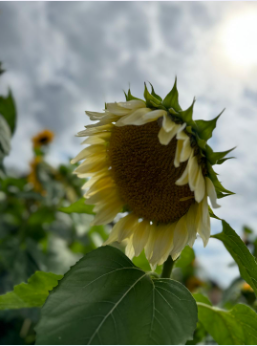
(64, 58)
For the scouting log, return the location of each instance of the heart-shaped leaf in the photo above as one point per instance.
(106, 299)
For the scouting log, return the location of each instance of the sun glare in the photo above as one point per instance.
(239, 39)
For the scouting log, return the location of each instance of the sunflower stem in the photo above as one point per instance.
(167, 268)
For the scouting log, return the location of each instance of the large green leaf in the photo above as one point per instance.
(8, 110)
(32, 294)
(106, 299)
(78, 207)
(237, 326)
(238, 250)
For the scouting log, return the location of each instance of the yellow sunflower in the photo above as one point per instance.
(150, 159)
(42, 138)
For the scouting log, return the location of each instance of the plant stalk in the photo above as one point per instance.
(167, 268)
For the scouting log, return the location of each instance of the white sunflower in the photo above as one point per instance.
(150, 159)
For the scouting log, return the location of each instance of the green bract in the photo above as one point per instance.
(200, 131)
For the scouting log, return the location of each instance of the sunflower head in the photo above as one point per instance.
(151, 159)
(42, 138)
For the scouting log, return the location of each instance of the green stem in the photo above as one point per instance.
(167, 268)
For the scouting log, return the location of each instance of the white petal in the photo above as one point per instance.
(133, 104)
(166, 137)
(92, 164)
(115, 233)
(107, 214)
(141, 235)
(167, 123)
(163, 243)
(129, 251)
(199, 186)
(135, 118)
(130, 222)
(203, 221)
(178, 152)
(182, 135)
(95, 130)
(211, 192)
(93, 140)
(95, 115)
(94, 178)
(191, 224)
(180, 237)
(92, 150)
(184, 177)
(154, 115)
(186, 150)
(105, 120)
(193, 169)
(116, 109)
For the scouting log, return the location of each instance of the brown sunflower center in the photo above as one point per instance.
(144, 172)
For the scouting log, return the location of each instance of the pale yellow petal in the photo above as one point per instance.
(163, 243)
(178, 152)
(184, 177)
(95, 115)
(92, 150)
(154, 115)
(92, 164)
(191, 224)
(129, 251)
(133, 104)
(131, 222)
(180, 237)
(95, 130)
(193, 169)
(211, 192)
(203, 221)
(135, 118)
(116, 109)
(141, 235)
(167, 123)
(186, 150)
(107, 214)
(199, 186)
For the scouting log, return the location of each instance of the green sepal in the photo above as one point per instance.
(216, 157)
(205, 128)
(187, 115)
(154, 94)
(150, 99)
(201, 142)
(173, 112)
(171, 100)
(130, 97)
(219, 162)
(211, 213)
(220, 189)
(159, 106)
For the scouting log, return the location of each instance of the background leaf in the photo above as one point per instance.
(32, 294)
(105, 299)
(242, 256)
(8, 110)
(78, 207)
(237, 326)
